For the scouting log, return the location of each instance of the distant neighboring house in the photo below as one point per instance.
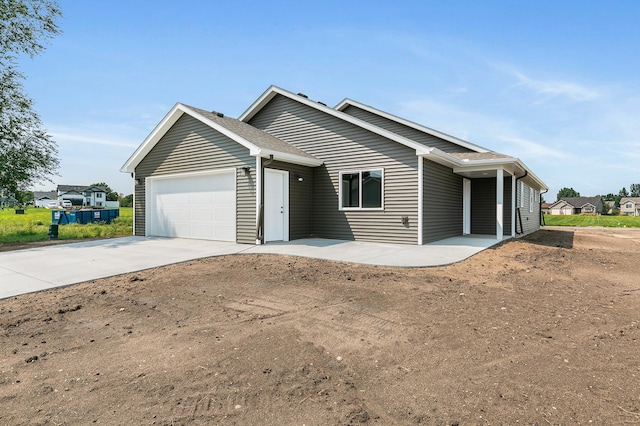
(41, 198)
(630, 206)
(576, 205)
(86, 196)
(6, 200)
(545, 207)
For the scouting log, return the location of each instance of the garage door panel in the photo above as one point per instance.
(201, 207)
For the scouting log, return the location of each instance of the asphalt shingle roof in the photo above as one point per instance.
(259, 138)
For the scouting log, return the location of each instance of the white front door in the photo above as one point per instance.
(276, 205)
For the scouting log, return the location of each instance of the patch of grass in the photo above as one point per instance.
(34, 226)
(586, 220)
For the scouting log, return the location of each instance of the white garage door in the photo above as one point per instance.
(192, 206)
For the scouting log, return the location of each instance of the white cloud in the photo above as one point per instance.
(551, 89)
(81, 136)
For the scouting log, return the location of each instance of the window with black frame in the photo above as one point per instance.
(361, 189)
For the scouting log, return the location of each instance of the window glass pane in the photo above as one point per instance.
(372, 188)
(350, 189)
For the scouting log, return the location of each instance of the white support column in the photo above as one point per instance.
(466, 206)
(258, 194)
(420, 198)
(514, 201)
(499, 204)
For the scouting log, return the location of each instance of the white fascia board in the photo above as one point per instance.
(509, 163)
(346, 102)
(258, 104)
(150, 141)
(273, 91)
(221, 129)
(163, 127)
(287, 157)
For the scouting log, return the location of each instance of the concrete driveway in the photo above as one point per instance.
(25, 271)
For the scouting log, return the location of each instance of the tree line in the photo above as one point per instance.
(634, 191)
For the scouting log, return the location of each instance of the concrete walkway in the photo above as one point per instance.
(25, 271)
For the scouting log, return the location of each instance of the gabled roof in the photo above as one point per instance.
(41, 195)
(634, 200)
(347, 102)
(579, 202)
(461, 163)
(273, 91)
(258, 142)
(561, 203)
(80, 188)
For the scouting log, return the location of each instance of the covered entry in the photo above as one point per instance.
(192, 205)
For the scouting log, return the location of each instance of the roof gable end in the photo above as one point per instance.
(424, 129)
(273, 91)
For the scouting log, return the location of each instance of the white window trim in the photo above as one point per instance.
(341, 208)
(521, 204)
(531, 200)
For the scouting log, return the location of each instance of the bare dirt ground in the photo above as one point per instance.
(542, 330)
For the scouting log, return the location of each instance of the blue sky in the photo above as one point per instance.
(554, 83)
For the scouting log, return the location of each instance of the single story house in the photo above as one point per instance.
(630, 206)
(42, 198)
(86, 196)
(576, 205)
(291, 168)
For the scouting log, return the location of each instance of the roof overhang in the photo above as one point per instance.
(273, 91)
(172, 117)
(347, 102)
(485, 168)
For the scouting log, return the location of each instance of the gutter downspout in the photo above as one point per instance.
(526, 172)
(541, 215)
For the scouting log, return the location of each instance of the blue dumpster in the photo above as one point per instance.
(63, 217)
(83, 216)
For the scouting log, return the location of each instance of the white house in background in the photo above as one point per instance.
(576, 205)
(42, 198)
(560, 207)
(630, 206)
(85, 196)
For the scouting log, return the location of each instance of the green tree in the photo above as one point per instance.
(111, 194)
(567, 192)
(634, 190)
(27, 153)
(127, 201)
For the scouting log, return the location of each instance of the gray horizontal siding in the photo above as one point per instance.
(483, 206)
(343, 146)
(530, 220)
(191, 146)
(443, 214)
(403, 130)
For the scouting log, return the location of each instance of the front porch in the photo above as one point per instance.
(438, 253)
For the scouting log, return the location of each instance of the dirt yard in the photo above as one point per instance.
(537, 331)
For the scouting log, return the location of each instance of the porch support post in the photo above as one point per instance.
(514, 201)
(499, 204)
(258, 196)
(420, 198)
